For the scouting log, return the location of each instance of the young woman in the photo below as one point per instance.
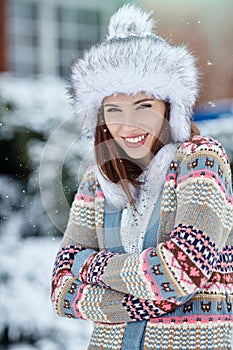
(147, 253)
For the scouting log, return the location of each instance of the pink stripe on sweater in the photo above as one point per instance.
(208, 175)
(84, 197)
(192, 319)
(148, 276)
(99, 194)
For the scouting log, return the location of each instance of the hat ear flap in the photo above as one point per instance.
(179, 122)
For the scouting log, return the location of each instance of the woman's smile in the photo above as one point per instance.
(135, 141)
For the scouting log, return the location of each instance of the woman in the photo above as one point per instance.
(147, 253)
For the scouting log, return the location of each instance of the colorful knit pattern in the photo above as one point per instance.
(93, 268)
(140, 309)
(63, 279)
(177, 268)
(188, 336)
(101, 305)
(63, 262)
(190, 256)
(107, 337)
(182, 287)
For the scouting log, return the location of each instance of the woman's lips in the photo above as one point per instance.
(135, 141)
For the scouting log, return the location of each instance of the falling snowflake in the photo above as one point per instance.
(211, 104)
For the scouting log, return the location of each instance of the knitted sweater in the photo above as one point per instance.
(177, 292)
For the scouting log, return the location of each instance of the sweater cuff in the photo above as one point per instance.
(93, 268)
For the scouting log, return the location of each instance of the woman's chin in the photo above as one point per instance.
(140, 157)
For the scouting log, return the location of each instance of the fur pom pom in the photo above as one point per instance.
(130, 20)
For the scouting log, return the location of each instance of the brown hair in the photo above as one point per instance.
(115, 164)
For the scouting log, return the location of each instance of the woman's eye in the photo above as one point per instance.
(113, 109)
(145, 105)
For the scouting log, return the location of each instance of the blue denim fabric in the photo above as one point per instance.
(112, 221)
(134, 336)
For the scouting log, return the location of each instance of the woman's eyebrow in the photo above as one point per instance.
(143, 100)
(110, 105)
(135, 103)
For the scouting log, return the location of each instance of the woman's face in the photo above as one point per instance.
(134, 122)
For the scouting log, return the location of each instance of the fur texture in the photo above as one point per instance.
(130, 20)
(134, 63)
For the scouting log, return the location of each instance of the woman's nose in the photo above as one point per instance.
(132, 123)
(129, 127)
(129, 119)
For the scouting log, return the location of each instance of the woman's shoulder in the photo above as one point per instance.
(208, 149)
(89, 174)
(88, 183)
(203, 145)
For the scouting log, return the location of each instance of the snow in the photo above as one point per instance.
(36, 107)
(25, 302)
(37, 100)
(221, 129)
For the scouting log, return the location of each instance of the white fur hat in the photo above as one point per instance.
(133, 59)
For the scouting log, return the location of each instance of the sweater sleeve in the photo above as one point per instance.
(73, 299)
(70, 296)
(178, 267)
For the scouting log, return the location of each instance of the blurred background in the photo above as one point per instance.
(43, 153)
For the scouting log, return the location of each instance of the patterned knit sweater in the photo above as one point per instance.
(178, 292)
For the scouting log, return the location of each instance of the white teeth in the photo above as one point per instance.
(135, 139)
